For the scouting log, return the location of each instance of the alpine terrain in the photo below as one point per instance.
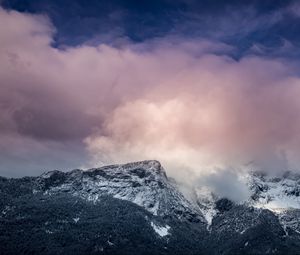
(136, 209)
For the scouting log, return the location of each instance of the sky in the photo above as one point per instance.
(205, 87)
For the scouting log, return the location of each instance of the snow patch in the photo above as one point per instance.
(110, 243)
(206, 203)
(160, 230)
(243, 231)
(209, 213)
(76, 219)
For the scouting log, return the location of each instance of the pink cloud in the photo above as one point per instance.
(183, 102)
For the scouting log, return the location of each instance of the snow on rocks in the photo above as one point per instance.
(162, 231)
(144, 183)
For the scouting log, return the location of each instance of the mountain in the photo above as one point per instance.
(136, 209)
(143, 183)
(281, 195)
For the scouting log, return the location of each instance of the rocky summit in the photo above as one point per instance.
(136, 209)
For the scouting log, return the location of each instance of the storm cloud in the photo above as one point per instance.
(183, 101)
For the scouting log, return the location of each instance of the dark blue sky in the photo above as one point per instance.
(262, 27)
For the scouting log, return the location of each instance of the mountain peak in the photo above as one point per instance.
(144, 183)
(140, 168)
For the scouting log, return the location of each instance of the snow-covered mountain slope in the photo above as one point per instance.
(144, 183)
(276, 193)
(281, 195)
(136, 206)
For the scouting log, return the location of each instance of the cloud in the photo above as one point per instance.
(214, 113)
(182, 101)
(225, 183)
(294, 9)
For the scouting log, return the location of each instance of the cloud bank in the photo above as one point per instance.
(182, 101)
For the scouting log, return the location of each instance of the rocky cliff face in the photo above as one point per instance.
(136, 209)
(143, 183)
